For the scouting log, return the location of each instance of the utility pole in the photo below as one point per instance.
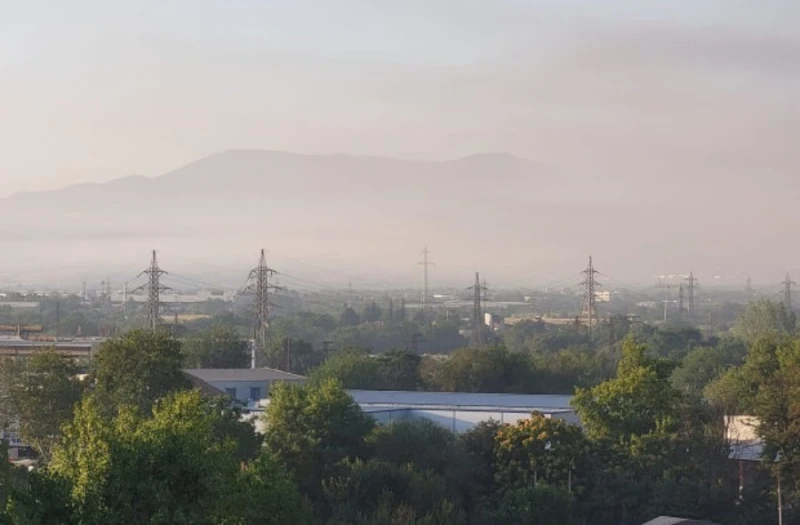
(680, 301)
(261, 286)
(692, 280)
(391, 310)
(589, 311)
(787, 292)
(154, 290)
(476, 336)
(666, 288)
(425, 263)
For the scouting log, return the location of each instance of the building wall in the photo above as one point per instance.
(460, 421)
(243, 388)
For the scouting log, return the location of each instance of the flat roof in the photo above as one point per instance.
(545, 402)
(242, 374)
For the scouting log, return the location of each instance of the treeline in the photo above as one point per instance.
(133, 443)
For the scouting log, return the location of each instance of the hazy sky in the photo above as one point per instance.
(679, 91)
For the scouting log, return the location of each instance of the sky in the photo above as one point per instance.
(689, 107)
(96, 90)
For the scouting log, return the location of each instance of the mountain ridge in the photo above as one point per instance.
(277, 155)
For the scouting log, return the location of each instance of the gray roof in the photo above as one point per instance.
(242, 374)
(459, 399)
(668, 520)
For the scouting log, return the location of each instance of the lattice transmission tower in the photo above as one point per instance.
(154, 291)
(589, 311)
(476, 335)
(260, 285)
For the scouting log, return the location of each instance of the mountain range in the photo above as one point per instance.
(517, 219)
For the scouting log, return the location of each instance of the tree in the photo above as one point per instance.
(351, 368)
(372, 312)
(217, 347)
(540, 504)
(640, 400)
(310, 428)
(399, 370)
(349, 317)
(137, 369)
(42, 391)
(704, 364)
(172, 468)
(482, 370)
(764, 318)
(539, 449)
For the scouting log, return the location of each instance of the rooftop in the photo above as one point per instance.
(668, 520)
(242, 374)
(527, 402)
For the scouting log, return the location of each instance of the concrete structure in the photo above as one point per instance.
(17, 346)
(460, 412)
(248, 385)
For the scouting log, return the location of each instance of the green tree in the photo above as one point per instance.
(41, 393)
(311, 428)
(764, 318)
(137, 369)
(704, 364)
(219, 346)
(540, 504)
(172, 468)
(492, 369)
(353, 369)
(539, 449)
(399, 370)
(638, 401)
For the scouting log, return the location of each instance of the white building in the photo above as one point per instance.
(458, 412)
(248, 385)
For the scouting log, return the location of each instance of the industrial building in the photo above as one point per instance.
(246, 385)
(460, 412)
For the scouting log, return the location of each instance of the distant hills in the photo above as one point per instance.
(506, 215)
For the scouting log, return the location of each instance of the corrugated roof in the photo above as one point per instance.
(242, 374)
(460, 399)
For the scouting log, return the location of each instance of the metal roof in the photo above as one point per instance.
(461, 399)
(668, 520)
(242, 374)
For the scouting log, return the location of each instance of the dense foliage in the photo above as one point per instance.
(133, 443)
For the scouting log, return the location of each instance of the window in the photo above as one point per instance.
(231, 392)
(255, 393)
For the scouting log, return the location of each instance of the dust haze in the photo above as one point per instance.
(512, 138)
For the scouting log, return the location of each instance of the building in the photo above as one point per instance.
(247, 385)
(460, 412)
(669, 520)
(19, 347)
